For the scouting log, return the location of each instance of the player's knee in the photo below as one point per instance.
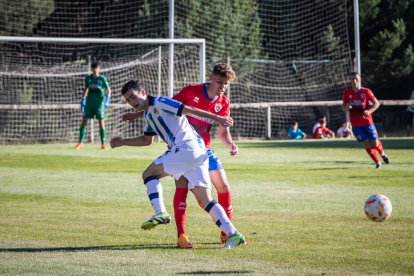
(182, 182)
(222, 187)
(146, 174)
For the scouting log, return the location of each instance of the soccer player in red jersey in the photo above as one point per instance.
(361, 103)
(209, 97)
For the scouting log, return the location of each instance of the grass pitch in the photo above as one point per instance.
(299, 204)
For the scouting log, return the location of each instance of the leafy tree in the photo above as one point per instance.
(19, 17)
(387, 57)
(231, 29)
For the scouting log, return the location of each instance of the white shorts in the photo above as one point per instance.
(192, 163)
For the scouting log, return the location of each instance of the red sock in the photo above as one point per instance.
(373, 154)
(180, 206)
(379, 148)
(224, 199)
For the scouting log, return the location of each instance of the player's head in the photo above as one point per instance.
(95, 68)
(355, 79)
(322, 118)
(134, 93)
(294, 124)
(220, 77)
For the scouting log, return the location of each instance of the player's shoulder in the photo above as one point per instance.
(102, 77)
(194, 87)
(365, 90)
(224, 99)
(348, 89)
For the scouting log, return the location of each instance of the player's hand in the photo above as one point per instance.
(234, 149)
(225, 121)
(116, 142)
(348, 107)
(366, 112)
(130, 116)
(107, 100)
(82, 104)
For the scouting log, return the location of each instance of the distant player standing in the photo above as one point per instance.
(93, 103)
(186, 155)
(361, 103)
(209, 97)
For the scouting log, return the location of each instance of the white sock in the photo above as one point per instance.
(154, 192)
(219, 216)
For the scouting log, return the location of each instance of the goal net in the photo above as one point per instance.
(42, 84)
(285, 54)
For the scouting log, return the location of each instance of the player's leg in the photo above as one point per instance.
(376, 143)
(82, 132)
(362, 136)
(180, 207)
(100, 115)
(204, 199)
(219, 179)
(153, 185)
(199, 184)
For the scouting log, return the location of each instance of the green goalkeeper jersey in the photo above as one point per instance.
(96, 88)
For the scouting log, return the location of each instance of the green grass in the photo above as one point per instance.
(299, 204)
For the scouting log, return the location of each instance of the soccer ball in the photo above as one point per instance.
(378, 208)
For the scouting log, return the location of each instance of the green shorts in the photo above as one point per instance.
(94, 110)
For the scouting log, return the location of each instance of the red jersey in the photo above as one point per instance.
(195, 95)
(359, 101)
(321, 131)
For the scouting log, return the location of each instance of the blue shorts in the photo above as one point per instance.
(363, 133)
(213, 162)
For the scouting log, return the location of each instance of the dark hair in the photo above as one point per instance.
(94, 65)
(294, 122)
(131, 84)
(353, 73)
(224, 70)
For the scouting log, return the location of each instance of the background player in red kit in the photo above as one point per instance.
(361, 103)
(209, 97)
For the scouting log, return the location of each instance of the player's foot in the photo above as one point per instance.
(385, 158)
(183, 242)
(161, 218)
(378, 165)
(234, 240)
(223, 237)
(78, 146)
(104, 147)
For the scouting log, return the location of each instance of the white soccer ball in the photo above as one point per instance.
(378, 208)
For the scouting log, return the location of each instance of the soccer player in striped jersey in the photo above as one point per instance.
(209, 97)
(186, 155)
(361, 103)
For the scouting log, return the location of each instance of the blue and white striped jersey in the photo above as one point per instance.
(164, 118)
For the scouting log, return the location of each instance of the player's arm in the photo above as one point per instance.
(371, 109)
(131, 116)
(224, 121)
(226, 138)
(346, 106)
(143, 140)
(83, 98)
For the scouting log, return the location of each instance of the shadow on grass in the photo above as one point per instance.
(108, 247)
(218, 272)
(390, 143)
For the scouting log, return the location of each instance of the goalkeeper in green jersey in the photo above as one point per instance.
(93, 103)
